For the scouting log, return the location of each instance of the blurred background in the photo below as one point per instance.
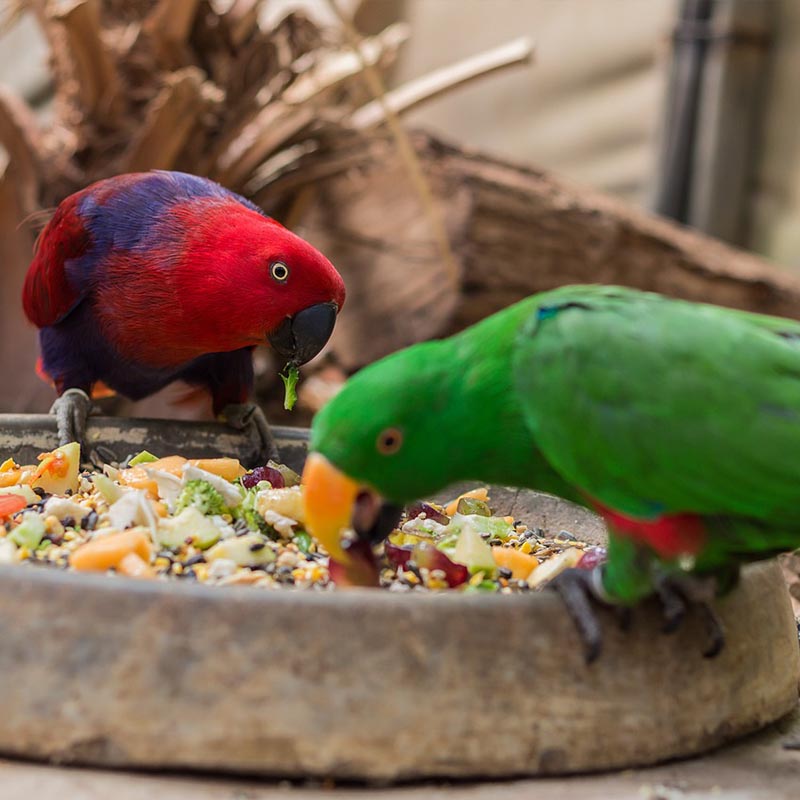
(686, 108)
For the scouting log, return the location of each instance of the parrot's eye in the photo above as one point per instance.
(389, 441)
(279, 271)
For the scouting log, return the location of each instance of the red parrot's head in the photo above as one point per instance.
(256, 282)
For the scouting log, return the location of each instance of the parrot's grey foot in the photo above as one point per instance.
(581, 592)
(249, 417)
(680, 593)
(72, 411)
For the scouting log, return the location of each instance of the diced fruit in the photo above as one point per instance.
(134, 566)
(24, 491)
(111, 491)
(431, 512)
(108, 550)
(472, 551)
(428, 557)
(250, 550)
(493, 527)
(471, 505)
(228, 468)
(520, 564)
(252, 479)
(290, 477)
(286, 502)
(397, 555)
(360, 569)
(30, 531)
(190, 524)
(592, 557)
(478, 494)
(10, 477)
(142, 458)
(555, 566)
(57, 472)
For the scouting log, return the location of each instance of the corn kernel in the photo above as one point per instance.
(201, 571)
(410, 577)
(23, 553)
(526, 547)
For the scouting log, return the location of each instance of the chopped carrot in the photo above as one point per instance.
(10, 504)
(134, 566)
(104, 552)
(520, 564)
(477, 494)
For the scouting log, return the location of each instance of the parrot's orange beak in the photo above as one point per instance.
(336, 505)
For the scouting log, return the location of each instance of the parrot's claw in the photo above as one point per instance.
(72, 411)
(582, 592)
(579, 593)
(243, 416)
(680, 593)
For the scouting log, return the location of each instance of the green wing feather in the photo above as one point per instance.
(656, 406)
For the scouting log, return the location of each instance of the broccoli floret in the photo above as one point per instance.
(247, 512)
(203, 496)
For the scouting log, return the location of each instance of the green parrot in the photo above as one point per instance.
(678, 422)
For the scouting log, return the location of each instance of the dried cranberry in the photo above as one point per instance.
(259, 474)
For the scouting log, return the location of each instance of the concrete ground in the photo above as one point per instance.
(765, 766)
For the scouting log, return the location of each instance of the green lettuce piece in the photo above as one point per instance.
(142, 458)
(290, 385)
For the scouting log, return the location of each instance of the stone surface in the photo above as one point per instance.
(367, 684)
(758, 768)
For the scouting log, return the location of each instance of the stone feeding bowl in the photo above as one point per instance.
(363, 684)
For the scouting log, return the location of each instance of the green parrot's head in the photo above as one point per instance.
(404, 428)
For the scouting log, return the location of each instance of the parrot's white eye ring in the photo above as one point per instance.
(279, 271)
(389, 441)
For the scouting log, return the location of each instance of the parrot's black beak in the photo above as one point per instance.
(373, 517)
(301, 337)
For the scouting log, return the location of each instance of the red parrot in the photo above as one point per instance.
(143, 279)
